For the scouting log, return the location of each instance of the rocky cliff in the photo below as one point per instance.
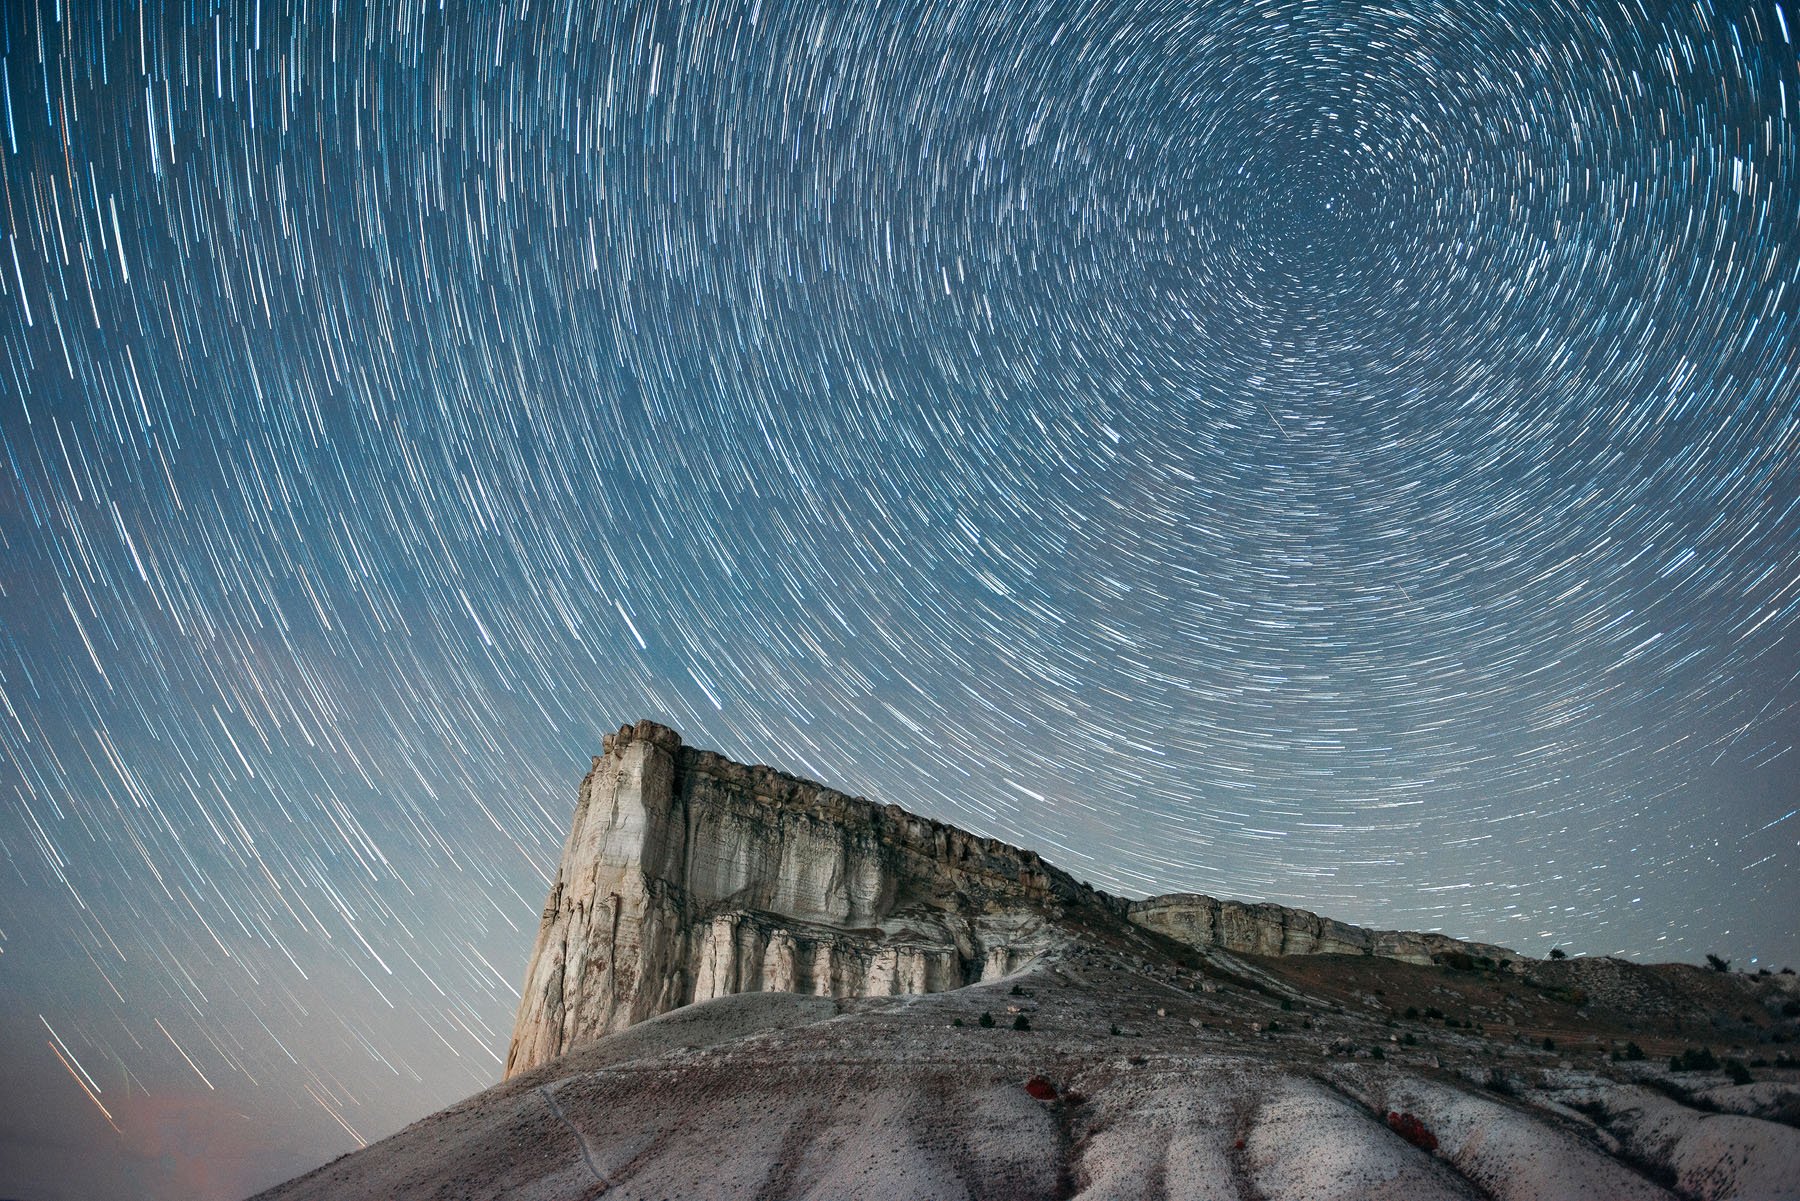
(687, 877)
(1203, 921)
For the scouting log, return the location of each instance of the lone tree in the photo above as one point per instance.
(1717, 964)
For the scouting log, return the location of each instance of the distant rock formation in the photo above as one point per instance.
(1203, 921)
(688, 877)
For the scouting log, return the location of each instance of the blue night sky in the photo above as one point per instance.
(1338, 453)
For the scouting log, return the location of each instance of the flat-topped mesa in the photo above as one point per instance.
(1263, 929)
(687, 877)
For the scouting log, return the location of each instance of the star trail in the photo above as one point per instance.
(1339, 453)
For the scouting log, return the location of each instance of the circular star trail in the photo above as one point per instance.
(1345, 454)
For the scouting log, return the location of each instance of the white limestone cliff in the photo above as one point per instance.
(687, 877)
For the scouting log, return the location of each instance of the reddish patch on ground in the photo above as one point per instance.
(1040, 1089)
(1412, 1130)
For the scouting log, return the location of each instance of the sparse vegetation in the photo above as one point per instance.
(1115, 1031)
(1717, 964)
(1694, 1059)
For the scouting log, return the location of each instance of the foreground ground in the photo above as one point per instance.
(1150, 1072)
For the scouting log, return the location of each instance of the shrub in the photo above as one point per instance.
(987, 1020)
(1790, 1009)
(1737, 1071)
(1016, 991)
(1375, 1052)
(1694, 1059)
(1558, 953)
(1115, 1031)
(1412, 1013)
(1021, 1022)
(1499, 1082)
(957, 1022)
(1287, 1004)
(1410, 1039)
(1633, 1052)
(1717, 964)
(1549, 1043)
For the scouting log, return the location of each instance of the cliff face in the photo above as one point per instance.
(688, 877)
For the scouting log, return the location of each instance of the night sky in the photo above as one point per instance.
(1339, 453)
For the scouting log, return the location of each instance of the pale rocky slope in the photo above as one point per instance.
(1158, 1062)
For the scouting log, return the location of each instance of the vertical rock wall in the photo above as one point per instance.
(687, 877)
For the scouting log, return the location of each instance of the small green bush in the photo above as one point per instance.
(1694, 1059)
(1558, 953)
(1737, 1071)
(987, 1020)
(1021, 1022)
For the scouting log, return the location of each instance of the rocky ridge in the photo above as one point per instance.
(688, 877)
(1099, 1050)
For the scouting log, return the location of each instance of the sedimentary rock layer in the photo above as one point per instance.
(687, 877)
(1204, 921)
